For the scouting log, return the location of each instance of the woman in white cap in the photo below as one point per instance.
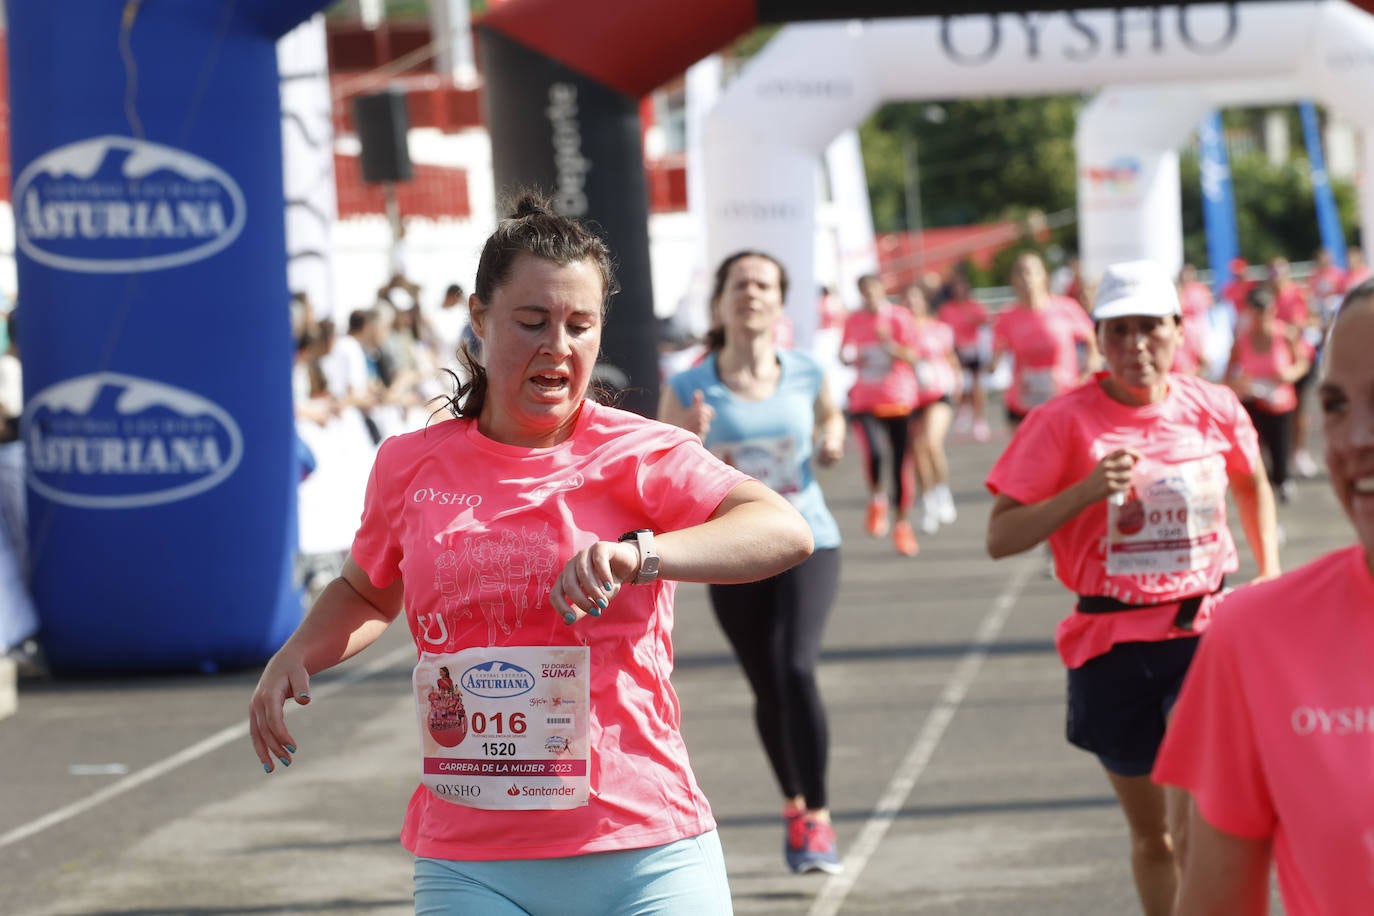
(1134, 510)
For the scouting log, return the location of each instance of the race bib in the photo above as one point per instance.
(927, 376)
(771, 460)
(1170, 521)
(505, 728)
(874, 363)
(1036, 387)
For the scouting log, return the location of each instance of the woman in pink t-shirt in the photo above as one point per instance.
(1042, 333)
(938, 381)
(1266, 360)
(532, 543)
(1127, 477)
(969, 319)
(1274, 731)
(879, 342)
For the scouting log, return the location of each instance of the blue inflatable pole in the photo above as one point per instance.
(158, 429)
(1328, 214)
(1218, 202)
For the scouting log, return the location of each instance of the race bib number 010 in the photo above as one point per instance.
(505, 728)
(1171, 520)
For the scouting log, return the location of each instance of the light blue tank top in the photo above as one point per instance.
(770, 440)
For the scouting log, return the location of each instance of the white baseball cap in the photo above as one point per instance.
(1135, 288)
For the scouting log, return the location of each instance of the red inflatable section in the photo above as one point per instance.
(631, 46)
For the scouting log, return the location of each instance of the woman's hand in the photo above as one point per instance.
(285, 677)
(592, 578)
(1112, 474)
(698, 417)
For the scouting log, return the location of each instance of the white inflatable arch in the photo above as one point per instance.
(1172, 64)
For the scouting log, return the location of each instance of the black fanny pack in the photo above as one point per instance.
(1187, 607)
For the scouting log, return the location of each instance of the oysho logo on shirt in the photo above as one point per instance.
(118, 205)
(446, 497)
(111, 441)
(1340, 721)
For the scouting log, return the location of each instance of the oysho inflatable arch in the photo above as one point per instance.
(158, 427)
(812, 81)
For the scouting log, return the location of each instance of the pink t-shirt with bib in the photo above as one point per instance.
(883, 384)
(1170, 540)
(1042, 343)
(966, 317)
(477, 530)
(934, 373)
(1273, 733)
(1264, 368)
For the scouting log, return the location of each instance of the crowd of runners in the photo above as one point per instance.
(1135, 406)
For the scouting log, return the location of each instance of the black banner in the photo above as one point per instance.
(579, 142)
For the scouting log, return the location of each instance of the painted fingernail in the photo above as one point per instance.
(284, 761)
(267, 767)
(601, 603)
(569, 617)
(302, 696)
(607, 586)
(290, 748)
(594, 611)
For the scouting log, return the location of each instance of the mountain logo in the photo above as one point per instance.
(497, 680)
(112, 441)
(119, 205)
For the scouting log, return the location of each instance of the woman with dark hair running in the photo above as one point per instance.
(879, 340)
(566, 789)
(768, 412)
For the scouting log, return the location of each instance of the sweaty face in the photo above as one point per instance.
(1139, 349)
(752, 300)
(540, 335)
(1347, 402)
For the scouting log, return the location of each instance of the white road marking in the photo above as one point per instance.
(189, 754)
(837, 887)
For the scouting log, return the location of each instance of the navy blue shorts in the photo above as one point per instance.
(1119, 702)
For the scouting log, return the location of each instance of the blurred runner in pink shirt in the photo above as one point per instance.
(1196, 300)
(879, 341)
(938, 380)
(1041, 333)
(1126, 477)
(1274, 732)
(969, 319)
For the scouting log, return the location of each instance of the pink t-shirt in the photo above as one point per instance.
(1264, 367)
(1290, 306)
(883, 384)
(1325, 283)
(1188, 356)
(1195, 298)
(1042, 344)
(1192, 442)
(1273, 733)
(503, 520)
(966, 317)
(1354, 278)
(934, 373)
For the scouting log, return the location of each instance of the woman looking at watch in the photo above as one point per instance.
(564, 786)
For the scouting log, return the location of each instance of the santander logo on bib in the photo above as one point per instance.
(119, 205)
(112, 441)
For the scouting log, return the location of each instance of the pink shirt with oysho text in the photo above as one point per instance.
(1043, 347)
(1059, 444)
(934, 372)
(1273, 733)
(883, 384)
(466, 521)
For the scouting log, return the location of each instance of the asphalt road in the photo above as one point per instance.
(952, 787)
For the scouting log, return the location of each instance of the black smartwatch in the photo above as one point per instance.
(648, 559)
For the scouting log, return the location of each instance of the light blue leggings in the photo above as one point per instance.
(685, 878)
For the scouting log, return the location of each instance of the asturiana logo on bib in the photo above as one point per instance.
(111, 441)
(497, 680)
(115, 205)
